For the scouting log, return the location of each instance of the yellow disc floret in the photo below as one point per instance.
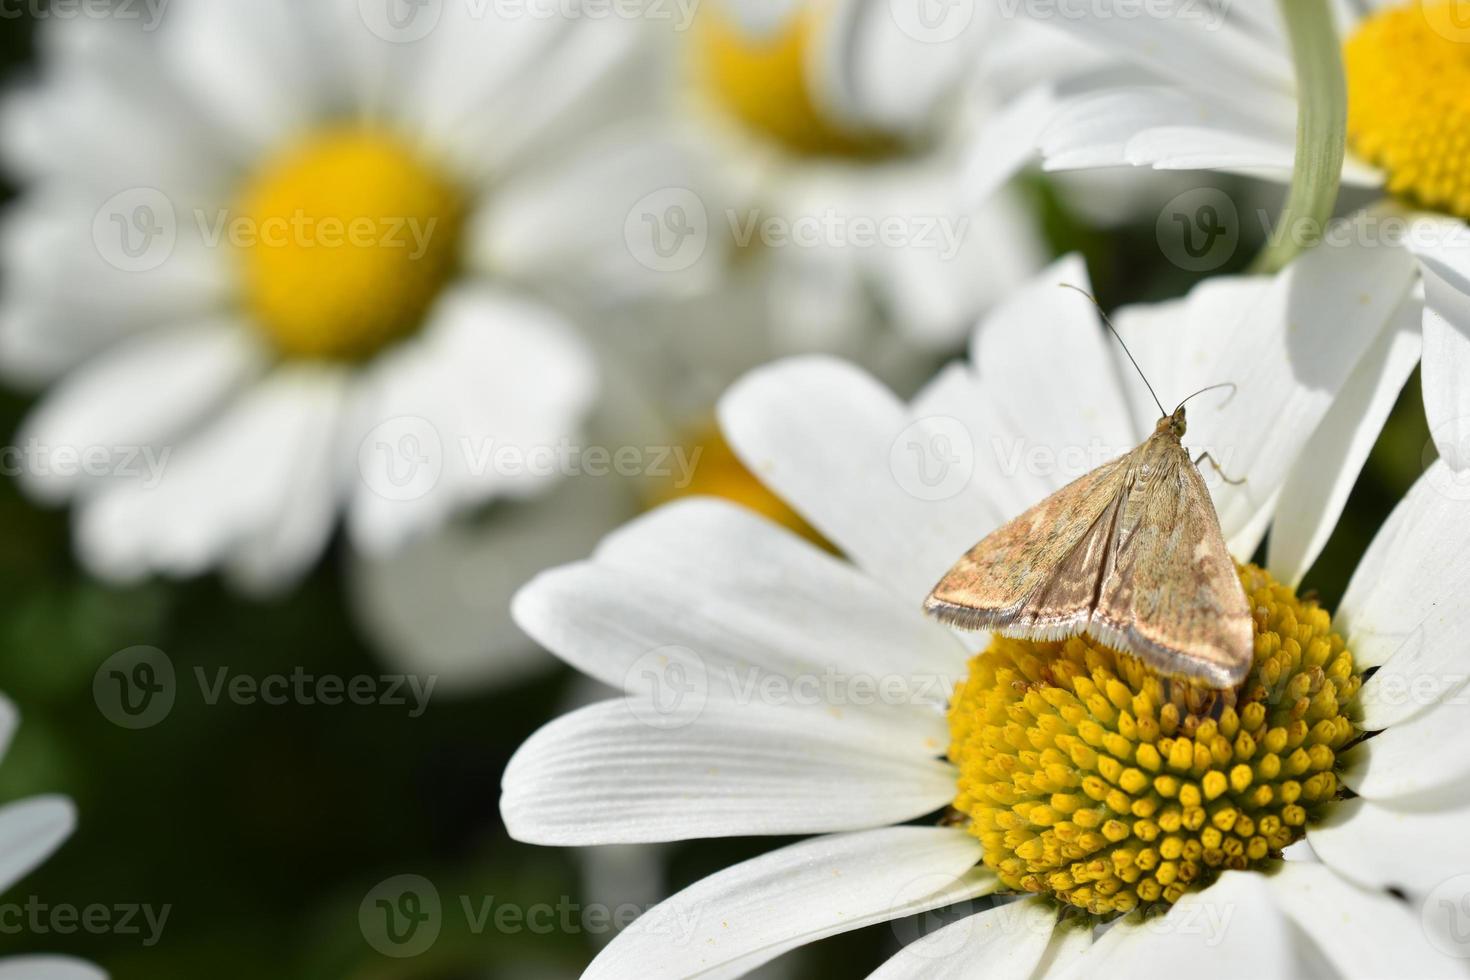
(1089, 777)
(1409, 103)
(764, 81)
(346, 240)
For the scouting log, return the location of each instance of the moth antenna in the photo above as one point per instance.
(1119, 338)
(1224, 384)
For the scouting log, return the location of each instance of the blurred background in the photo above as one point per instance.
(247, 838)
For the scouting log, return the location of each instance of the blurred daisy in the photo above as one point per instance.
(772, 688)
(280, 261)
(30, 832)
(1212, 87)
(840, 127)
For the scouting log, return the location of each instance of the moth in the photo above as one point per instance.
(1130, 554)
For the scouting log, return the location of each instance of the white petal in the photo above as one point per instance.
(1227, 931)
(612, 773)
(844, 452)
(146, 392)
(1443, 247)
(231, 484)
(1008, 142)
(253, 69)
(1317, 488)
(30, 831)
(1003, 943)
(1359, 932)
(486, 399)
(48, 968)
(1291, 354)
(441, 606)
(1424, 754)
(1410, 847)
(748, 914)
(765, 608)
(1404, 609)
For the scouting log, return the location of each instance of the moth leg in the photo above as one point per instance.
(1216, 464)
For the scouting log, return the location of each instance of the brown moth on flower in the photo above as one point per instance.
(1130, 553)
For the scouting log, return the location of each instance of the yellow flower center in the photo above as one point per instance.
(346, 240)
(1408, 83)
(1089, 777)
(764, 81)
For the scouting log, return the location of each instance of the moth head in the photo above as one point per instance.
(1174, 423)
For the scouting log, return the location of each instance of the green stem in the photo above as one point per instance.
(1321, 132)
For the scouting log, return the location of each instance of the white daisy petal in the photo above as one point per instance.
(1411, 847)
(1003, 943)
(1317, 488)
(230, 483)
(612, 774)
(1229, 930)
(48, 968)
(816, 431)
(1362, 934)
(748, 914)
(30, 831)
(1422, 755)
(1008, 142)
(143, 393)
(1403, 611)
(825, 640)
(1443, 247)
(1291, 354)
(489, 393)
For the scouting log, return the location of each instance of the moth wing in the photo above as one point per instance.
(1038, 574)
(1172, 596)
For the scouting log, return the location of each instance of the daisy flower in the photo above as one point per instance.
(839, 127)
(283, 262)
(1214, 87)
(30, 832)
(772, 688)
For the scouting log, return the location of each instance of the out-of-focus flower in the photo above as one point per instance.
(282, 262)
(30, 832)
(840, 129)
(1213, 87)
(772, 688)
